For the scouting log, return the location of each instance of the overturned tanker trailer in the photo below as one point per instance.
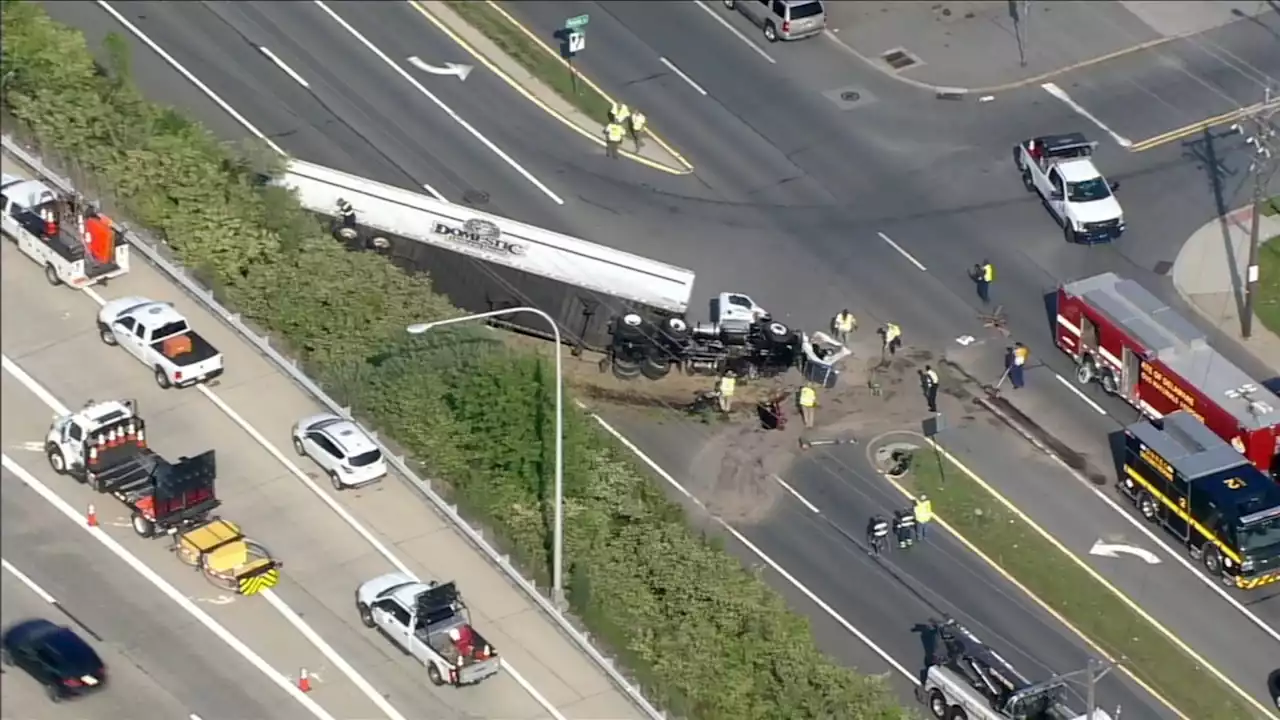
(484, 262)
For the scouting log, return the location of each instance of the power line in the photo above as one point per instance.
(1266, 152)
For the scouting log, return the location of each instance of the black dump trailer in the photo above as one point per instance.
(484, 262)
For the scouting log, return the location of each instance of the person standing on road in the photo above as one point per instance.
(844, 324)
(636, 125)
(930, 380)
(983, 275)
(892, 335)
(728, 383)
(808, 402)
(619, 113)
(1020, 355)
(877, 531)
(613, 134)
(923, 511)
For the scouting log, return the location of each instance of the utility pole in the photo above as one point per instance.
(1266, 150)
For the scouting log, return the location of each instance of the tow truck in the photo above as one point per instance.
(430, 622)
(969, 681)
(1202, 491)
(104, 446)
(1060, 168)
(1138, 348)
(74, 243)
(741, 337)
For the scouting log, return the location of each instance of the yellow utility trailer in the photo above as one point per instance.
(227, 558)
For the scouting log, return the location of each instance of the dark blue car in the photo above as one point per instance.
(56, 657)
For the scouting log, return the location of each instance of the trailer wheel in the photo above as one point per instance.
(1147, 506)
(656, 368)
(1086, 370)
(366, 615)
(162, 379)
(938, 704)
(144, 527)
(1110, 383)
(729, 4)
(433, 673)
(56, 459)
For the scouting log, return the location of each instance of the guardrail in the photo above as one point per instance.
(147, 247)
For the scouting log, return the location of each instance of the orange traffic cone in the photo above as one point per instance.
(91, 517)
(304, 682)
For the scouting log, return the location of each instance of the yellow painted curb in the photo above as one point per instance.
(1130, 603)
(593, 136)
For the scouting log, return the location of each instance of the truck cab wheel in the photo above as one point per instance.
(144, 527)
(1110, 383)
(433, 673)
(162, 379)
(938, 704)
(1027, 182)
(1212, 560)
(105, 334)
(366, 615)
(1086, 371)
(1147, 506)
(958, 714)
(51, 275)
(56, 460)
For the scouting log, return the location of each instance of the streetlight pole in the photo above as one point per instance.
(557, 532)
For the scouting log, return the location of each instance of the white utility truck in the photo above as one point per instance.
(430, 622)
(1060, 169)
(76, 246)
(159, 336)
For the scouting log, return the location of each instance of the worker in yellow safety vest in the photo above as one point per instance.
(983, 275)
(892, 335)
(808, 401)
(613, 134)
(636, 125)
(844, 324)
(728, 383)
(1020, 355)
(619, 113)
(924, 515)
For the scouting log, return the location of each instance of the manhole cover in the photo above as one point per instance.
(848, 98)
(900, 59)
(851, 96)
(475, 197)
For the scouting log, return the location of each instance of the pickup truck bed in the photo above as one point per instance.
(474, 667)
(199, 349)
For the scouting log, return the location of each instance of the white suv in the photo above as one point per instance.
(341, 449)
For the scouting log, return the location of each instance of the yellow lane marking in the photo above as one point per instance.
(685, 169)
(1201, 126)
(1131, 604)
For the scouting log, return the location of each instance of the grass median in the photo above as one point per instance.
(1267, 307)
(532, 56)
(1074, 593)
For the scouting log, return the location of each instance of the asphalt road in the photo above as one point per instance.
(160, 661)
(50, 333)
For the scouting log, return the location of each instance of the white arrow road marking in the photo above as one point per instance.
(30, 446)
(450, 68)
(1111, 550)
(220, 600)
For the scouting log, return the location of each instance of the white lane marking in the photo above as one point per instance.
(904, 253)
(327, 650)
(281, 64)
(1062, 95)
(812, 508)
(280, 680)
(288, 613)
(1080, 393)
(682, 75)
(1115, 550)
(31, 584)
(439, 103)
(187, 74)
(813, 597)
(434, 193)
(30, 446)
(306, 479)
(735, 31)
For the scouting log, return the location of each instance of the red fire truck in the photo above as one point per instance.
(1137, 347)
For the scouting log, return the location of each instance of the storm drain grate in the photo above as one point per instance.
(900, 59)
(848, 98)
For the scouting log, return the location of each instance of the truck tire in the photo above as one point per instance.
(1027, 182)
(106, 336)
(51, 275)
(958, 714)
(1068, 233)
(629, 327)
(938, 704)
(144, 527)
(433, 673)
(1086, 370)
(625, 369)
(730, 4)
(57, 461)
(1212, 560)
(656, 365)
(1147, 506)
(366, 615)
(1110, 383)
(162, 379)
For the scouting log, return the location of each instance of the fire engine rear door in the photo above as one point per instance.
(1129, 374)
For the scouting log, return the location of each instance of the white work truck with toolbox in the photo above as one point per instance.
(430, 622)
(1060, 168)
(76, 246)
(159, 336)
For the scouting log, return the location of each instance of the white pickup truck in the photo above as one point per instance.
(59, 237)
(429, 622)
(1059, 168)
(161, 339)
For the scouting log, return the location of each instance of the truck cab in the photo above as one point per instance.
(430, 622)
(1060, 168)
(76, 246)
(1225, 510)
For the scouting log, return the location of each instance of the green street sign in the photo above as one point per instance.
(574, 23)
